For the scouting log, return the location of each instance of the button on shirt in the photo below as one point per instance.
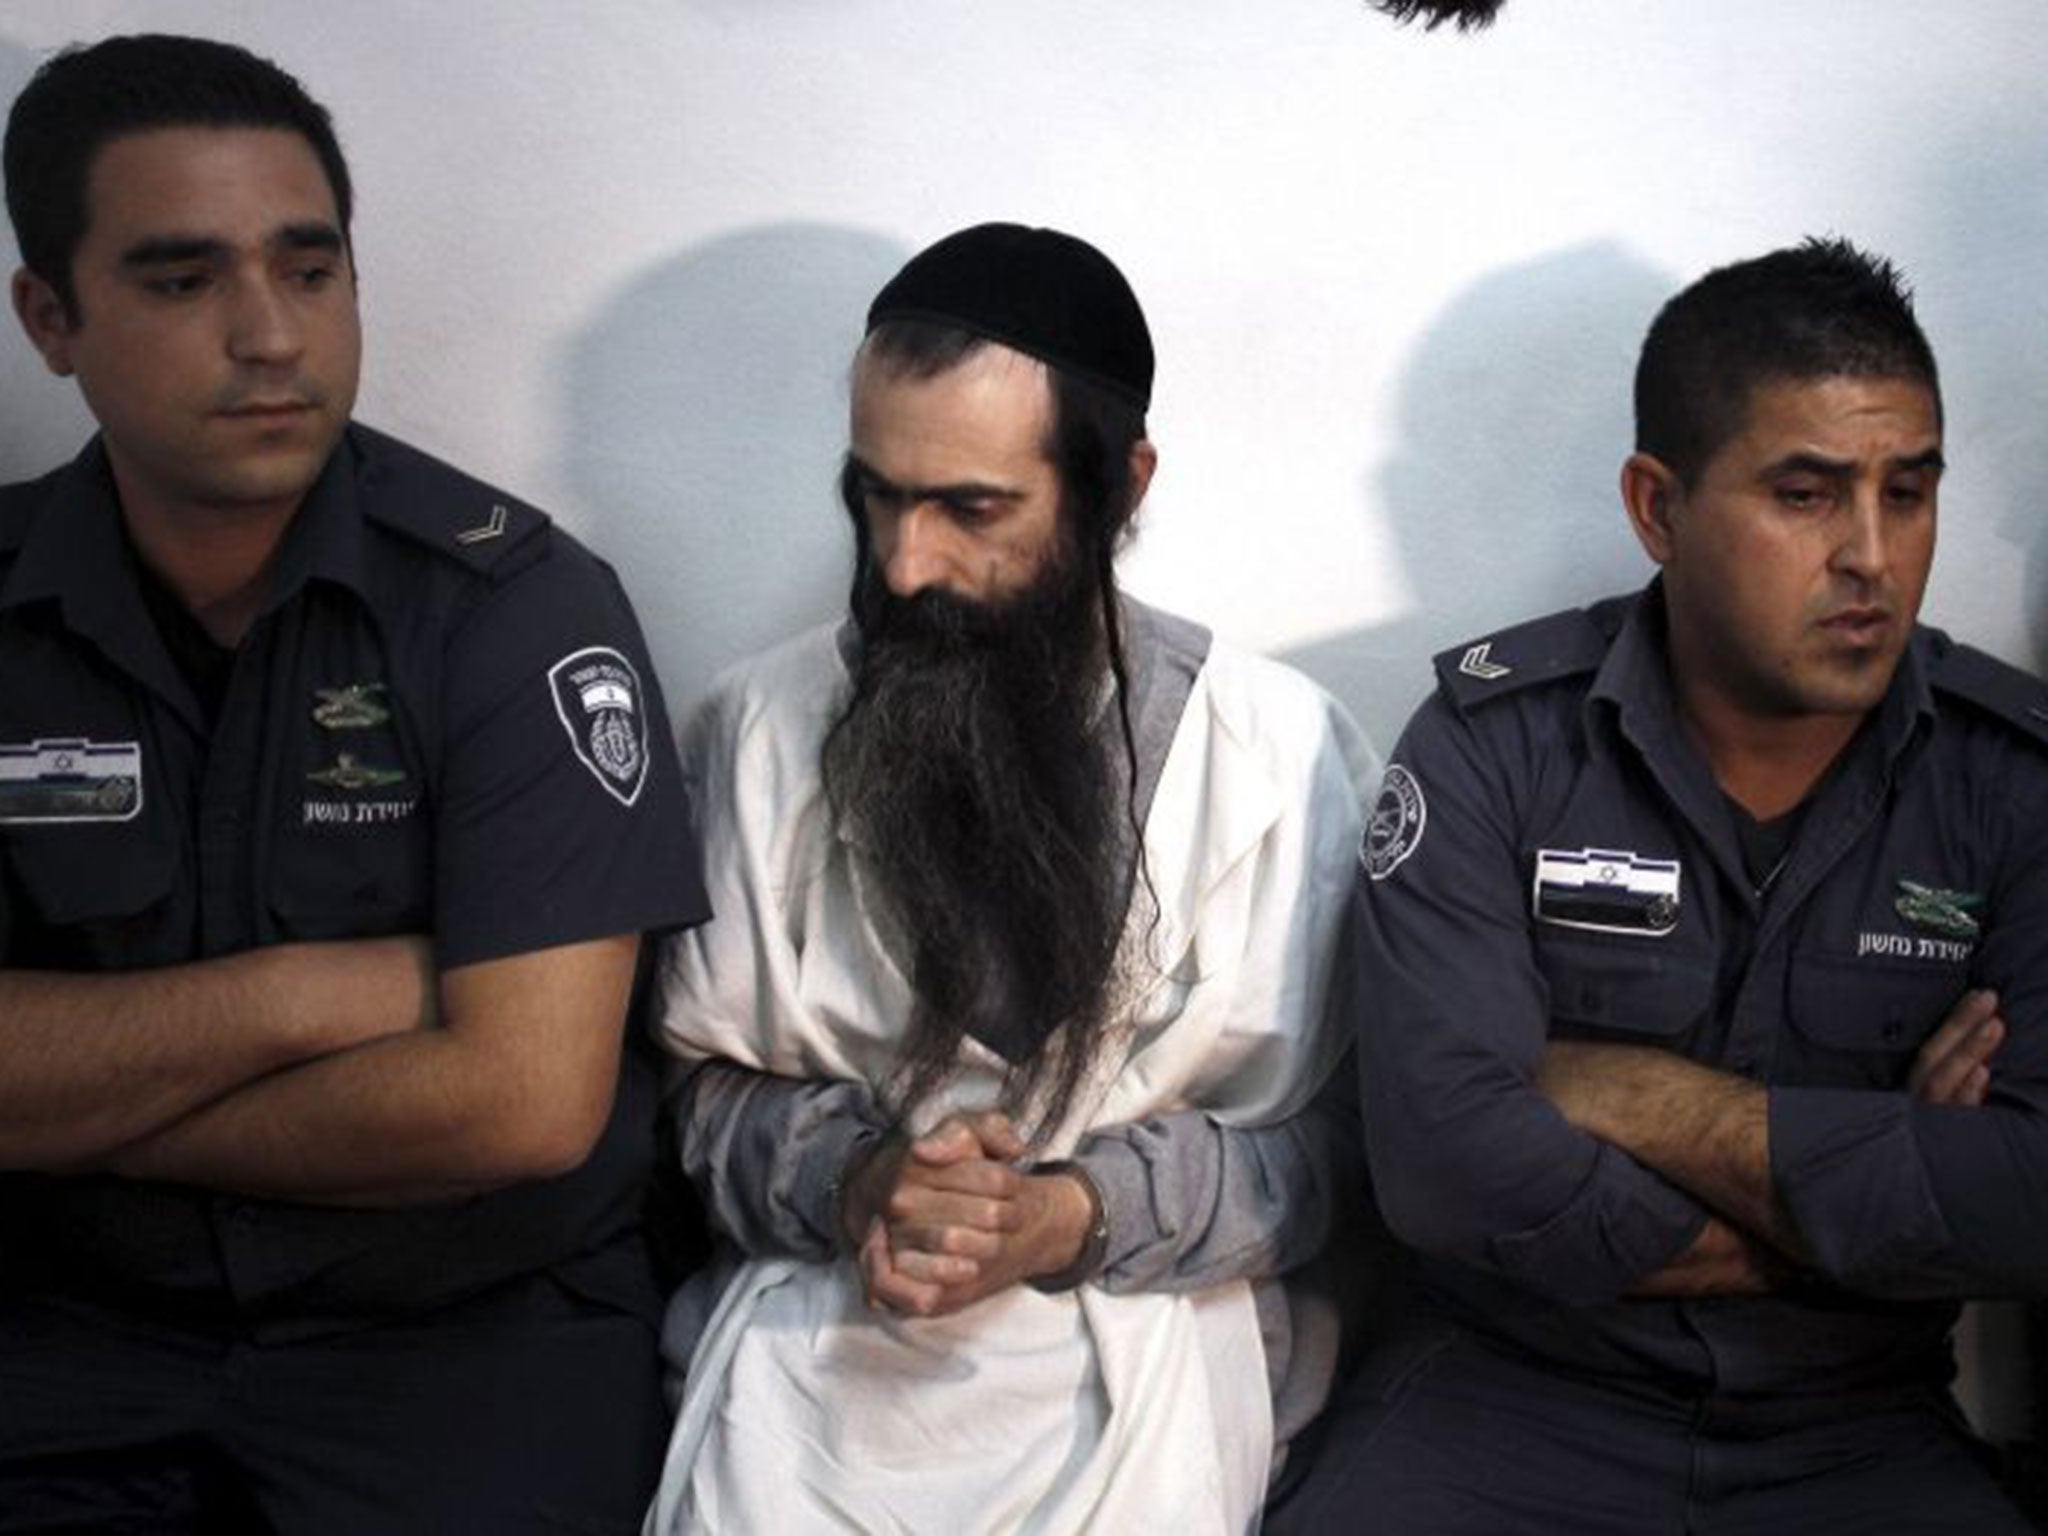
(1555, 859)
(443, 721)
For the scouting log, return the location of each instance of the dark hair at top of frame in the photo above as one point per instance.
(1819, 309)
(85, 97)
(1466, 15)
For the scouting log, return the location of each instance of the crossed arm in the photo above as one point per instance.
(1709, 1133)
(345, 1073)
(1644, 1171)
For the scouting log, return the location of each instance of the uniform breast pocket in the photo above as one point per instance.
(1622, 989)
(353, 878)
(1858, 1023)
(93, 898)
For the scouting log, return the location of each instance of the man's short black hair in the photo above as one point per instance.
(84, 97)
(1819, 309)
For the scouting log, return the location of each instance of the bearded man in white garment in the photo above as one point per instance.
(1007, 1038)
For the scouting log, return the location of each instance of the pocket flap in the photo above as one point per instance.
(1869, 1005)
(1623, 987)
(89, 872)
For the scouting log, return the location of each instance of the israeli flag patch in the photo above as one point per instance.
(70, 780)
(1606, 890)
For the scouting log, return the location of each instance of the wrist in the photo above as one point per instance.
(851, 1197)
(1082, 1226)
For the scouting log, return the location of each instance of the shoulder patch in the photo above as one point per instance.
(598, 699)
(1394, 829)
(2016, 697)
(437, 505)
(1544, 650)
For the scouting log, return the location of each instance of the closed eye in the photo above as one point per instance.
(178, 285)
(316, 275)
(971, 511)
(1803, 495)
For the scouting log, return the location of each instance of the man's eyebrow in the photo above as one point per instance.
(1819, 464)
(1926, 459)
(309, 235)
(959, 490)
(168, 250)
(163, 250)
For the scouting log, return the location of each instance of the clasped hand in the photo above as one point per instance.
(943, 1221)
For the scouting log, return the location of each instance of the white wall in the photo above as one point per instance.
(616, 254)
(615, 257)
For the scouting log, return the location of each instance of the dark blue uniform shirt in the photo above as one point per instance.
(1552, 857)
(442, 722)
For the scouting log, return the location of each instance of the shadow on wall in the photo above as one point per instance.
(1514, 419)
(1983, 193)
(1984, 196)
(706, 412)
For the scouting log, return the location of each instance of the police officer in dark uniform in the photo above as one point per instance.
(1707, 937)
(335, 794)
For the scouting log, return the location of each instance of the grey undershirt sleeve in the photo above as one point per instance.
(766, 1154)
(1189, 1202)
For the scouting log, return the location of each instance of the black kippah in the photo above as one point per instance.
(1044, 293)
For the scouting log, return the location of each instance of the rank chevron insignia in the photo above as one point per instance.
(1952, 914)
(1477, 663)
(491, 528)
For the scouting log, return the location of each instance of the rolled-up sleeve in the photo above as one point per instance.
(1470, 1161)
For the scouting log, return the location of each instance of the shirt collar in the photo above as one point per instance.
(1633, 687)
(75, 551)
(1909, 701)
(325, 539)
(78, 553)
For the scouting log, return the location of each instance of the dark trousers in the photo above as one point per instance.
(1455, 1439)
(526, 1410)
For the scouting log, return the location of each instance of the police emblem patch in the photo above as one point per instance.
(70, 779)
(1394, 830)
(597, 695)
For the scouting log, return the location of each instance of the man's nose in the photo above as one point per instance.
(264, 326)
(913, 552)
(1862, 550)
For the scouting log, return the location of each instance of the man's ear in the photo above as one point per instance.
(1144, 460)
(44, 319)
(1651, 493)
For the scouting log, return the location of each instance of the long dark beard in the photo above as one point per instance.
(974, 766)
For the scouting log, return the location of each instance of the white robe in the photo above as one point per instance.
(805, 1411)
